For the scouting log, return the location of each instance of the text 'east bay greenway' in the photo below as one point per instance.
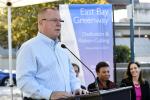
(91, 16)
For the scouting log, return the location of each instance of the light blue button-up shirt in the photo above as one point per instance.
(43, 67)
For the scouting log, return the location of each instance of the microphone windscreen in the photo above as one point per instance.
(63, 46)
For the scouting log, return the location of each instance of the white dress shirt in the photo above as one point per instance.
(43, 67)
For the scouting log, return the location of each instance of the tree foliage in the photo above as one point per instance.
(3, 28)
(122, 53)
(24, 24)
(24, 21)
(87, 1)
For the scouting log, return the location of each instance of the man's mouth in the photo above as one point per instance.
(57, 29)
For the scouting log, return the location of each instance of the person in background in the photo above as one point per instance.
(102, 71)
(140, 90)
(43, 68)
(77, 71)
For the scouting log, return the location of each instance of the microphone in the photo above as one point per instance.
(96, 83)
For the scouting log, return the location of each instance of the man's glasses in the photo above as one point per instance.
(54, 20)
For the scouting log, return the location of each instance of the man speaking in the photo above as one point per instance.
(44, 70)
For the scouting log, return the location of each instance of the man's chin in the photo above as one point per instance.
(58, 34)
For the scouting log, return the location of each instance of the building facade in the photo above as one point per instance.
(141, 32)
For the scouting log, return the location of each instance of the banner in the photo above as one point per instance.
(87, 31)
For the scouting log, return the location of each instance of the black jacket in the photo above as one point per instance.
(92, 86)
(145, 90)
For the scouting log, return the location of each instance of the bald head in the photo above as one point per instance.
(42, 12)
(49, 22)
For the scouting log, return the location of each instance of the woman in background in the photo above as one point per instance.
(140, 90)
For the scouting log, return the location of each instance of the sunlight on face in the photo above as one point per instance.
(50, 23)
(134, 70)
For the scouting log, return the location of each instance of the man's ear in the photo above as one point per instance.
(40, 22)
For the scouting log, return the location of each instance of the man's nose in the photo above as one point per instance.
(58, 23)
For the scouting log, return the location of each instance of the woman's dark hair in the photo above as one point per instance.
(128, 73)
(100, 65)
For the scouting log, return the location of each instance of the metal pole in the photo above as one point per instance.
(132, 31)
(114, 45)
(10, 48)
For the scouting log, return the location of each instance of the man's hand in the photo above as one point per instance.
(80, 92)
(59, 95)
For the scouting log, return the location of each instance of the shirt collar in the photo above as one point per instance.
(47, 39)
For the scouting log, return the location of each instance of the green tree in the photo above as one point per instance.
(122, 53)
(87, 1)
(24, 24)
(3, 28)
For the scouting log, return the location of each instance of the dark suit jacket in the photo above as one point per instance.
(92, 86)
(145, 90)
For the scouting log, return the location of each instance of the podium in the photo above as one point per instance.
(123, 93)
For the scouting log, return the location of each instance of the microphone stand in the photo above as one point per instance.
(96, 82)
